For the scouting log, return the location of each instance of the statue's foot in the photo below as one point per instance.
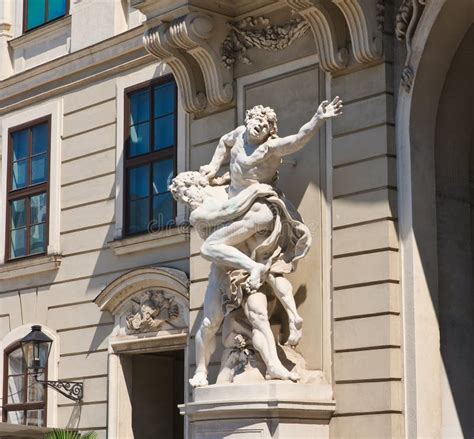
(296, 332)
(257, 277)
(199, 380)
(280, 373)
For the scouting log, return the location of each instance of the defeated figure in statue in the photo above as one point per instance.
(255, 153)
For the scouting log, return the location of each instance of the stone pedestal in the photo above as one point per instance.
(273, 409)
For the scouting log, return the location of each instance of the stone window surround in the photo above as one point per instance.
(54, 109)
(58, 28)
(30, 190)
(153, 156)
(121, 245)
(53, 363)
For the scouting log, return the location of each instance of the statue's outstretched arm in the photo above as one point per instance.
(221, 153)
(290, 144)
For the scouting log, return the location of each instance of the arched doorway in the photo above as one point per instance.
(434, 140)
(454, 159)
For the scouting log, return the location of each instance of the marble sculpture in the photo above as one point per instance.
(253, 237)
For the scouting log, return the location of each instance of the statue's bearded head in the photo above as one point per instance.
(261, 123)
(188, 188)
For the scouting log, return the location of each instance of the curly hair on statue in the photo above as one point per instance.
(186, 187)
(266, 113)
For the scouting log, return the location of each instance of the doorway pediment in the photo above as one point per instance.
(148, 301)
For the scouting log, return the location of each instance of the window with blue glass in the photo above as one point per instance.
(150, 156)
(39, 12)
(27, 191)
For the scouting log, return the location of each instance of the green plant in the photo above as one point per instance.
(68, 434)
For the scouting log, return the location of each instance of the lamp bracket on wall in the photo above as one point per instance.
(70, 389)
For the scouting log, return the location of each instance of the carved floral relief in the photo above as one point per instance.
(258, 32)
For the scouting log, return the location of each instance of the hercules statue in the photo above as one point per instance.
(253, 235)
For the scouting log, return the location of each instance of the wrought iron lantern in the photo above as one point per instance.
(36, 347)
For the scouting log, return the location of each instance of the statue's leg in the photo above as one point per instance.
(255, 308)
(220, 246)
(284, 292)
(211, 322)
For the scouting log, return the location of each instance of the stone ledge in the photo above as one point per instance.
(150, 241)
(29, 266)
(273, 399)
(42, 32)
(22, 431)
(151, 342)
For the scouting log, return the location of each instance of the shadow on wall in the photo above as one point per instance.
(443, 213)
(75, 418)
(454, 160)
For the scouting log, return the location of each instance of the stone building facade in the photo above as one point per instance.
(117, 283)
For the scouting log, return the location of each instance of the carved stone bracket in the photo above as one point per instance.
(192, 90)
(380, 14)
(186, 46)
(406, 22)
(192, 33)
(408, 75)
(331, 57)
(199, 49)
(361, 18)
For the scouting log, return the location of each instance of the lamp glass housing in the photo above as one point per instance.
(36, 347)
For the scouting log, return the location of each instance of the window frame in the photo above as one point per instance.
(150, 157)
(28, 191)
(25, 406)
(25, 16)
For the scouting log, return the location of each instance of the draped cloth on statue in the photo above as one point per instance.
(280, 251)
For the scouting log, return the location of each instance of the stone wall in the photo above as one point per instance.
(63, 300)
(366, 295)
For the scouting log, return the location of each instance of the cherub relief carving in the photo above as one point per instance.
(150, 311)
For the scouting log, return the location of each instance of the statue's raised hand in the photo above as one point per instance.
(327, 110)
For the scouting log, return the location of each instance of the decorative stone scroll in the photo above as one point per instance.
(331, 57)
(406, 23)
(201, 52)
(188, 79)
(361, 18)
(380, 14)
(258, 32)
(185, 44)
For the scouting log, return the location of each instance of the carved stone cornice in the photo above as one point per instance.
(331, 57)
(185, 44)
(361, 18)
(201, 52)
